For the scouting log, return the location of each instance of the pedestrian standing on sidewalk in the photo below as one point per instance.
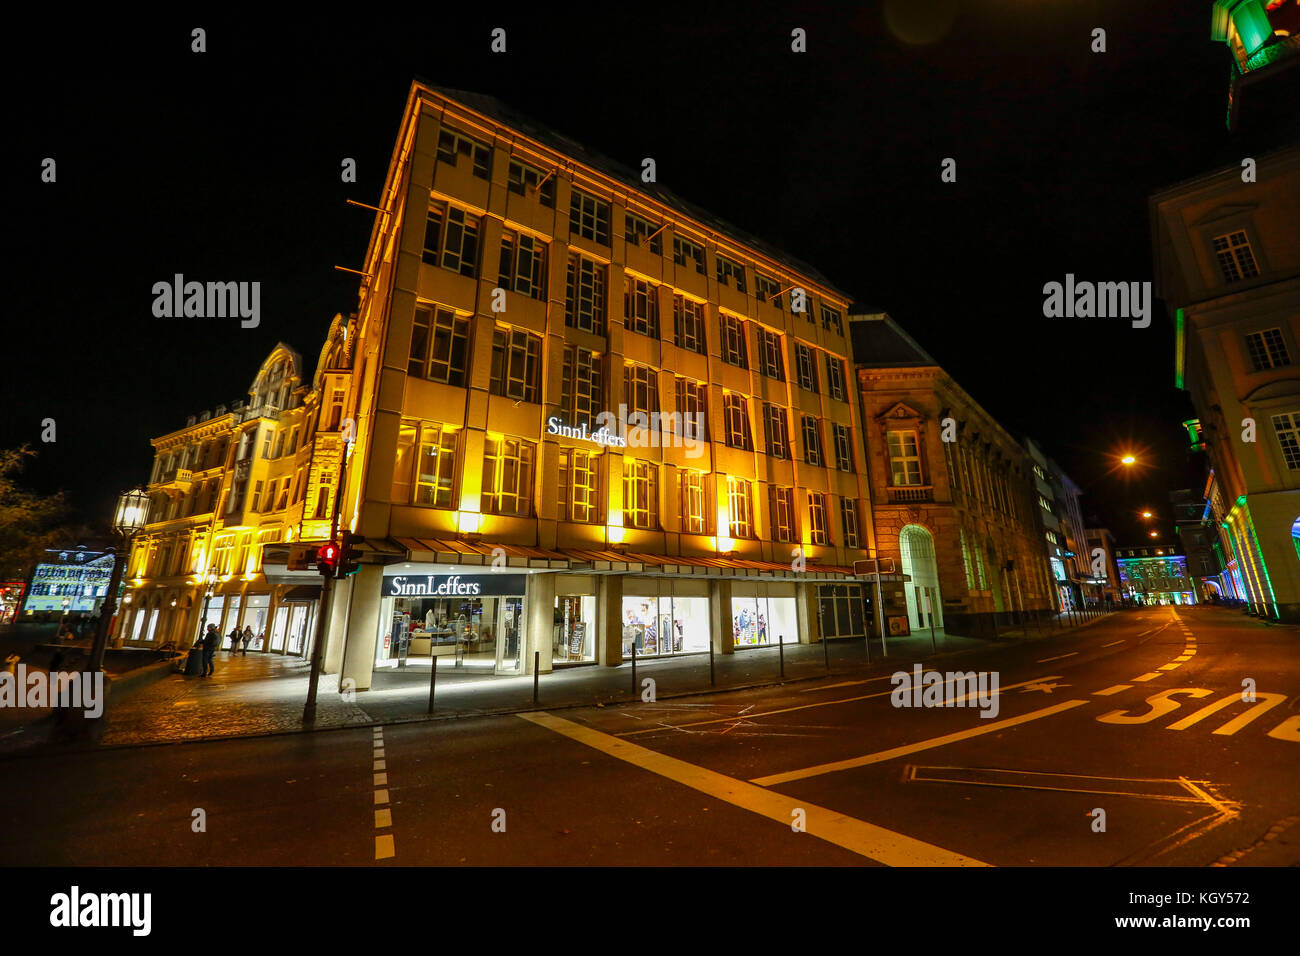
(209, 642)
(247, 639)
(234, 636)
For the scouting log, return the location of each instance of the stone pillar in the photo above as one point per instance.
(336, 625)
(609, 619)
(805, 603)
(539, 622)
(720, 624)
(363, 626)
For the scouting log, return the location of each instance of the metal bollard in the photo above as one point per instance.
(780, 650)
(634, 688)
(537, 664)
(433, 681)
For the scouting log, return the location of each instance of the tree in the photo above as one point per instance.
(29, 523)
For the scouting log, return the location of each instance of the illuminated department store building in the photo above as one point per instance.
(589, 418)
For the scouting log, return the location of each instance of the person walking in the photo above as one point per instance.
(248, 639)
(209, 643)
(235, 637)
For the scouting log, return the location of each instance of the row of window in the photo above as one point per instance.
(589, 217)
(425, 474)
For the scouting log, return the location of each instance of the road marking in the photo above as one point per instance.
(384, 847)
(381, 797)
(778, 778)
(844, 683)
(380, 765)
(1147, 676)
(1185, 657)
(383, 819)
(1159, 704)
(1169, 667)
(1173, 789)
(1113, 643)
(1061, 657)
(866, 839)
(381, 779)
(823, 703)
(1111, 690)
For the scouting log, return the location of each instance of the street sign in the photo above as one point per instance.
(869, 567)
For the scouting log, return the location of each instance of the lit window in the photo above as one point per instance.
(439, 346)
(1287, 427)
(688, 325)
(735, 418)
(641, 306)
(740, 498)
(686, 251)
(585, 295)
(525, 180)
(768, 290)
(589, 217)
(582, 386)
(508, 476)
(523, 265)
(806, 364)
(451, 239)
(849, 521)
(812, 441)
(904, 458)
(640, 494)
(692, 501)
(835, 377)
(730, 272)
(516, 364)
(843, 448)
(641, 389)
(578, 481)
(771, 359)
(776, 430)
(734, 350)
(692, 408)
(783, 514)
(831, 320)
(817, 518)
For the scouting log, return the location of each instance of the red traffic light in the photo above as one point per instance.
(327, 557)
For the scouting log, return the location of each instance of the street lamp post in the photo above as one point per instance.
(210, 584)
(128, 520)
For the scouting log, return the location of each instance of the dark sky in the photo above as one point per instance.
(225, 166)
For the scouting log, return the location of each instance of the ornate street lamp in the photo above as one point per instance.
(128, 520)
(210, 585)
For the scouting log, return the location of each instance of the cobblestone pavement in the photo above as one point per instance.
(257, 694)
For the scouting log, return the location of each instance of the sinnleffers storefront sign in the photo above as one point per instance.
(452, 585)
(601, 436)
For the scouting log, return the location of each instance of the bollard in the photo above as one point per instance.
(634, 688)
(433, 681)
(780, 650)
(711, 681)
(537, 664)
(826, 652)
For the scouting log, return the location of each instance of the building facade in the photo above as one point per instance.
(1228, 265)
(226, 490)
(1155, 576)
(951, 492)
(1102, 565)
(589, 420)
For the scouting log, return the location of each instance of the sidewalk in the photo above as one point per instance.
(264, 694)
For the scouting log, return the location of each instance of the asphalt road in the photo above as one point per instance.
(1139, 715)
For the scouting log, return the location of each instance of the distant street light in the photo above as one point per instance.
(1128, 460)
(1146, 514)
(1155, 534)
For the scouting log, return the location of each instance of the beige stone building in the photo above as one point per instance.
(1227, 254)
(951, 494)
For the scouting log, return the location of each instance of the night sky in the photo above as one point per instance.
(225, 166)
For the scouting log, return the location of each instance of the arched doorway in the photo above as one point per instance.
(917, 547)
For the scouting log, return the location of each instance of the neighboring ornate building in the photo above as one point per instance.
(951, 492)
(227, 485)
(1154, 576)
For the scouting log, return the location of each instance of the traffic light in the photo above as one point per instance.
(351, 559)
(327, 558)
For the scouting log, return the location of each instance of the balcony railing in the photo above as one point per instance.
(908, 494)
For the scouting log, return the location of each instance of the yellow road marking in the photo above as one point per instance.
(1111, 690)
(824, 703)
(1147, 676)
(381, 797)
(866, 839)
(1059, 657)
(383, 818)
(1169, 667)
(777, 778)
(381, 779)
(844, 683)
(384, 848)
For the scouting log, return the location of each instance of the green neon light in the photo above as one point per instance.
(1254, 540)
(1180, 350)
(1241, 500)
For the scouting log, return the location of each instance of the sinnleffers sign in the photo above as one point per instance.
(601, 436)
(452, 585)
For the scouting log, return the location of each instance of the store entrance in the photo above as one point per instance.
(471, 635)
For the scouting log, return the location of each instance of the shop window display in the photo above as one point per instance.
(760, 621)
(658, 626)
